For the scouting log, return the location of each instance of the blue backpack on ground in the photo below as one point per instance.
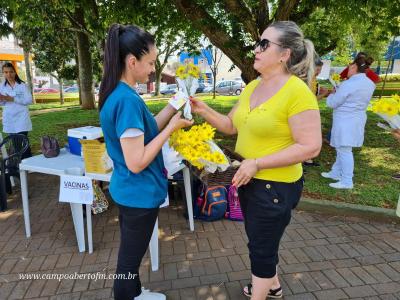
(211, 204)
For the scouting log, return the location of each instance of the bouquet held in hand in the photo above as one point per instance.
(388, 109)
(187, 77)
(196, 145)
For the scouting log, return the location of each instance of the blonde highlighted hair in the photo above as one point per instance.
(301, 61)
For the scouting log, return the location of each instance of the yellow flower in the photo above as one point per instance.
(184, 71)
(386, 106)
(314, 86)
(390, 107)
(336, 77)
(193, 71)
(218, 158)
(180, 72)
(192, 145)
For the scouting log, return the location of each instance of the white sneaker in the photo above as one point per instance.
(340, 185)
(329, 175)
(147, 295)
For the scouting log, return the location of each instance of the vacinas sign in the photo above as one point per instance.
(76, 189)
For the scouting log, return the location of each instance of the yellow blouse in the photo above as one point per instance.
(265, 129)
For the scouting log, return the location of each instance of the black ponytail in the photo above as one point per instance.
(121, 41)
(362, 63)
(17, 79)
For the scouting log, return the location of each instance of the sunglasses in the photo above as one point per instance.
(264, 44)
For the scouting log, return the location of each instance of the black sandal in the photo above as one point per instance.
(274, 294)
(311, 164)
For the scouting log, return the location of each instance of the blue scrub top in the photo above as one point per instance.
(125, 109)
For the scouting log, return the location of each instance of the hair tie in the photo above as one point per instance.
(362, 65)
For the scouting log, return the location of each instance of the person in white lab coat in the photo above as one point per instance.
(15, 98)
(349, 103)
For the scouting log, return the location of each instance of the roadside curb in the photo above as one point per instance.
(349, 211)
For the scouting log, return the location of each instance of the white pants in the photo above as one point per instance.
(343, 167)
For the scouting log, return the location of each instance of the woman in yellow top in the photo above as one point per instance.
(278, 126)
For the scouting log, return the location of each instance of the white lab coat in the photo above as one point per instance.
(349, 103)
(16, 114)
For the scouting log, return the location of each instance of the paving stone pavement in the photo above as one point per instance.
(321, 257)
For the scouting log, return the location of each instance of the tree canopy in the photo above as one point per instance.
(58, 31)
(234, 25)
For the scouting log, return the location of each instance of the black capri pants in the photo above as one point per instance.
(136, 225)
(267, 208)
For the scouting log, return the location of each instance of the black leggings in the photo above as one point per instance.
(136, 225)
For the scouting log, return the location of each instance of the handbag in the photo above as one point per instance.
(100, 202)
(235, 211)
(49, 146)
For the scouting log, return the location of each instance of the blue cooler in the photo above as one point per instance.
(76, 134)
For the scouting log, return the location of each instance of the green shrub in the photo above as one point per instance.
(390, 77)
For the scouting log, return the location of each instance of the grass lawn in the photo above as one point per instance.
(375, 162)
(52, 105)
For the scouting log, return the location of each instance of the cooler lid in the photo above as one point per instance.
(88, 132)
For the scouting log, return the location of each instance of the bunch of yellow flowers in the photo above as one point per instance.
(192, 145)
(387, 106)
(184, 71)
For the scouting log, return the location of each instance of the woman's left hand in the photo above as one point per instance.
(6, 98)
(248, 168)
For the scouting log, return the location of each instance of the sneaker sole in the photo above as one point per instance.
(341, 188)
(336, 179)
(268, 296)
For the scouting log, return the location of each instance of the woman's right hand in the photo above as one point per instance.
(177, 122)
(198, 106)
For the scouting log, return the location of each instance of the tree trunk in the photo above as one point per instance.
(85, 64)
(157, 83)
(28, 71)
(60, 82)
(214, 82)
(248, 72)
(78, 82)
(378, 68)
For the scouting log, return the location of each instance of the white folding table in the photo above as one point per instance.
(67, 163)
(154, 238)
